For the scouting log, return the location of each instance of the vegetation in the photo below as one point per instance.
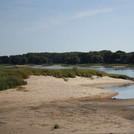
(21, 89)
(93, 57)
(56, 126)
(118, 76)
(10, 77)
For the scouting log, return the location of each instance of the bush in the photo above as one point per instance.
(10, 82)
(56, 126)
(12, 77)
(118, 76)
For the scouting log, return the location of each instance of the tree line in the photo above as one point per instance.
(99, 57)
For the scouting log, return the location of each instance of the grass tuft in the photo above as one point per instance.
(56, 126)
(21, 89)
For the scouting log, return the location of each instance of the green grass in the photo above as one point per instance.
(11, 77)
(118, 76)
(56, 126)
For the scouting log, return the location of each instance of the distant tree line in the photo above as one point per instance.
(102, 57)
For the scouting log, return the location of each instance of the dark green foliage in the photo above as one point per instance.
(90, 73)
(24, 61)
(8, 81)
(92, 57)
(12, 77)
(119, 76)
(72, 60)
(56, 126)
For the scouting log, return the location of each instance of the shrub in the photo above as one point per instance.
(65, 79)
(56, 126)
(118, 76)
(10, 82)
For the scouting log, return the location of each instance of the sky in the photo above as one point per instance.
(66, 26)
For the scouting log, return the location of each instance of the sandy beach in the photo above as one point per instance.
(78, 105)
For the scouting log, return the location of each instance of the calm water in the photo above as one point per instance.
(125, 92)
(131, 107)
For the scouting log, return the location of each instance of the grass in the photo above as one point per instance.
(11, 77)
(23, 89)
(56, 126)
(65, 79)
(118, 76)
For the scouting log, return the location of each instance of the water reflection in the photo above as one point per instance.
(53, 67)
(125, 92)
(131, 107)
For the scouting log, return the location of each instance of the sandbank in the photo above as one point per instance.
(45, 101)
(46, 88)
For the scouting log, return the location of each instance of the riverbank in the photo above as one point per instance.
(46, 102)
(77, 65)
(80, 65)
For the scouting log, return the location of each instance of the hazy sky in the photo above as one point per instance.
(66, 25)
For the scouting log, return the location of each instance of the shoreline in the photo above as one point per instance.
(79, 65)
(48, 88)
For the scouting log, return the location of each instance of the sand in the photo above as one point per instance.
(78, 105)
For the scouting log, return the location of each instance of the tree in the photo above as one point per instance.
(4, 60)
(24, 61)
(75, 60)
(104, 56)
(119, 57)
(95, 57)
(68, 60)
(107, 56)
(83, 58)
(131, 58)
(15, 59)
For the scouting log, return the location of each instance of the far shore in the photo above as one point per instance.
(77, 65)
